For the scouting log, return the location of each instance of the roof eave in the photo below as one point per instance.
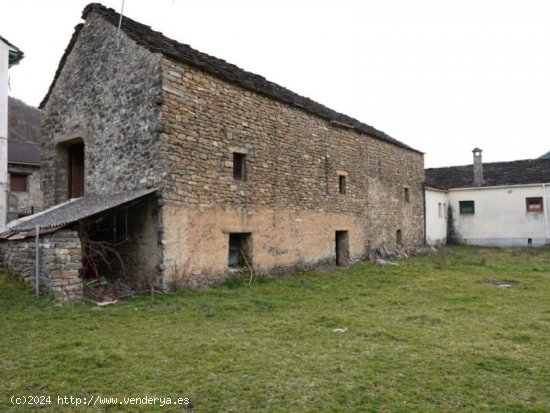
(15, 56)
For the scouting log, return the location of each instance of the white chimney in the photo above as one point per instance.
(478, 167)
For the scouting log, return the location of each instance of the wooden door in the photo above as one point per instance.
(76, 170)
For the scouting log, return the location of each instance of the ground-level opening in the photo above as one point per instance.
(240, 249)
(120, 251)
(342, 248)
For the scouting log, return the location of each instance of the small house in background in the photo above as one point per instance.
(494, 204)
(24, 195)
(24, 153)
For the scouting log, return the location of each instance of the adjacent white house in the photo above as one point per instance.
(495, 204)
(9, 56)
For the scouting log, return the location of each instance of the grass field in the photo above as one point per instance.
(435, 334)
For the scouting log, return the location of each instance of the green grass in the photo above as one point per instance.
(432, 335)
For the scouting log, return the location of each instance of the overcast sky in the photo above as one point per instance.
(440, 76)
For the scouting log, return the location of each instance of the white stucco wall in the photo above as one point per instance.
(501, 216)
(436, 216)
(4, 61)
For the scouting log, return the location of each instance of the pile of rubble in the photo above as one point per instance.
(380, 254)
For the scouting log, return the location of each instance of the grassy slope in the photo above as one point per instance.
(426, 336)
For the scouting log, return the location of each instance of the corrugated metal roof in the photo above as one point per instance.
(24, 153)
(75, 210)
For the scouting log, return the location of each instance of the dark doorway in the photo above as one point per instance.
(75, 170)
(240, 249)
(342, 248)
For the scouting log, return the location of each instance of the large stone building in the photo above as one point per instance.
(222, 167)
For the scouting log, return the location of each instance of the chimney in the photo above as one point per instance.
(478, 167)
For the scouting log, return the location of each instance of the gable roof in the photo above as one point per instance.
(530, 171)
(23, 153)
(156, 42)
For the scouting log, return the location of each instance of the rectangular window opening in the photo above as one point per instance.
(239, 162)
(407, 195)
(534, 204)
(440, 210)
(240, 250)
(466, 207)
(342, 184)
(18, 182)
(398, 238)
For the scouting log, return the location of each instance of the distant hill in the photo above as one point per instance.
(23, 122)
(545, 156)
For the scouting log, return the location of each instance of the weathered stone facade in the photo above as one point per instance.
(60, 261)
(290, 200)
(105, 96)
(149, 120)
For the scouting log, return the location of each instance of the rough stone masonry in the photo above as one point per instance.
(60, 261)
(235, 158)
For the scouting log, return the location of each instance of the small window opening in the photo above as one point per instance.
(398, 239)
(407, 195)
(18, 182)
(240, 250)
(342, 184)
(466, 207)
(529, 241)
(440, 210)
(239, 166)
(534, 204)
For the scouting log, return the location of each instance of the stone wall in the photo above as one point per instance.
(60, 262)
(105, 96)
(23, 201)
(147, 120)
(289, 201)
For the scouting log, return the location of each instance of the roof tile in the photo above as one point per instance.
(530, 171)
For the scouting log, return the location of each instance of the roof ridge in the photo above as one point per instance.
(490, 163)
(157, 42)
(519, 172)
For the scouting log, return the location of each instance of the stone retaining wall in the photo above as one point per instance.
(60, 262)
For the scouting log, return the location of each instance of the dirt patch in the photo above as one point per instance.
(107, 291)
(500, 283)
